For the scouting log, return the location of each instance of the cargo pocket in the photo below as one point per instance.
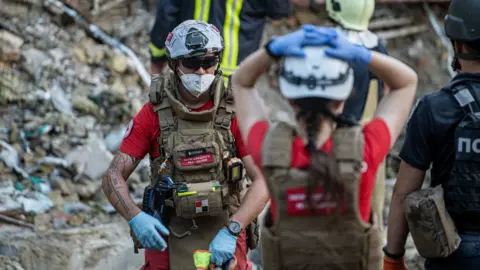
(270, 250)
(201, 199)
(433, 230)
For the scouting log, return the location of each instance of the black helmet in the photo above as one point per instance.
(462, 22)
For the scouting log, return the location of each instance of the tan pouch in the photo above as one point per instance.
(271, 257)
(201, 199)
(433, 230)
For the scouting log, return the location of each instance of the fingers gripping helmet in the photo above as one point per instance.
(193, 38)
(351, 14)
(315, 76)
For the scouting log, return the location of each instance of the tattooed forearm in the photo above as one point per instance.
(114, 184)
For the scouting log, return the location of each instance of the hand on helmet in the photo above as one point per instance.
(308, 35)
(342, 48)
(147, 230)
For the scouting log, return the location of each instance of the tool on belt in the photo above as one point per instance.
(153, 202)
(201, 258)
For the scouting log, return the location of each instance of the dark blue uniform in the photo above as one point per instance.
(431, 144)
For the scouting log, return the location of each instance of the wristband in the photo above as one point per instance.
(269, 52)
(393, 256)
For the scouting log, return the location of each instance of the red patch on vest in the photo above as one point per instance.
(197, 160)
(169, 37)
(297, 203)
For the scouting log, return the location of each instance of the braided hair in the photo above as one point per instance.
(323, 168)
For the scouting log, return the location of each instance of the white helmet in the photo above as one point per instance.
(193, 38)
(315, 76)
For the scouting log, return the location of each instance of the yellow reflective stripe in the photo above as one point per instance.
(228, 71)
(156, 52)
(206, 13)
(202, 10)
(230, 34)
(371, 102)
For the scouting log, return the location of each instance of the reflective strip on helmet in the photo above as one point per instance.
(156, 52)
(231, 29)
(202, 10)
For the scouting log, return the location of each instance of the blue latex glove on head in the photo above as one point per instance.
(342, 48)
(222, 247)
(292, 43)
(147, 230)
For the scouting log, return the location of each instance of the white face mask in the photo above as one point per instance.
(197, 84)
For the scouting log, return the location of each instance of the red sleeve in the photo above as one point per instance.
(256, 134)
(239, 144)
(140, 134)
(377, 142)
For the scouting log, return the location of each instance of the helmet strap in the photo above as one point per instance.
(455, 63)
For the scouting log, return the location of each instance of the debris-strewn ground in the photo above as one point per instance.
(66, 99)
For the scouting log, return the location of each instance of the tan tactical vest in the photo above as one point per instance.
(337, 241)
(196, 146)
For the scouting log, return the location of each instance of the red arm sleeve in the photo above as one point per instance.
(377, 144)
(138, 137)
(255, 141)
(239, 143)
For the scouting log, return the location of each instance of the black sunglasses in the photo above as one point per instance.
(196, 63)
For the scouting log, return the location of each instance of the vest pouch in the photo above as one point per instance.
(271, 259)
(433, 230)
(201, 199)
(196, 156)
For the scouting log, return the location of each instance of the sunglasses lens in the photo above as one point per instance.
(196, 63)
(209, 62)
(192, 63)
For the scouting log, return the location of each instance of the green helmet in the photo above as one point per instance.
(351, 14)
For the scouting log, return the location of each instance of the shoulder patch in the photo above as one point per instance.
(129, 129)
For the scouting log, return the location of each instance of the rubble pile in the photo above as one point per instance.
(65, 100)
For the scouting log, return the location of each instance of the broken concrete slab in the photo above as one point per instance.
(92, 159)
(10, 46)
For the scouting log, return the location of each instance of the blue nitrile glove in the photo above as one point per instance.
(222, 247)
(292, 43)
(147, 230)
(342, 48)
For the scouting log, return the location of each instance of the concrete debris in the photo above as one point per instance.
(9, 46)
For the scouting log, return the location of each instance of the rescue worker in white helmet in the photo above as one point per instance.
(442, 136)
(189, 129)
(241, 23)
(352, 18)
(320, 167)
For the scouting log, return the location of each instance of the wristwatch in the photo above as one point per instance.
(234, 227)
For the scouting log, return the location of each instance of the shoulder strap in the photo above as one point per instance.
(162, 107)
(226, 108)
(466, 98)
(348, 148)
(277, 146)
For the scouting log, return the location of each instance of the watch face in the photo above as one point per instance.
(235, 227)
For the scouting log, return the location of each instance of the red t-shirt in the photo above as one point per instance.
(377, 144)
(141, 135)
